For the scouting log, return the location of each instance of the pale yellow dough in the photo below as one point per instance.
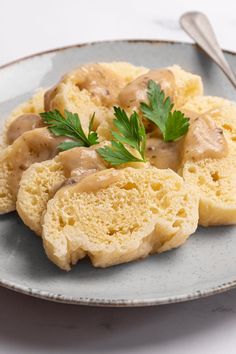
(37, 186)
(142, 211)
(216, 179)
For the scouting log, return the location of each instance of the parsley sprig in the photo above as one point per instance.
(69, 126)
(173, 125)
(131, 132)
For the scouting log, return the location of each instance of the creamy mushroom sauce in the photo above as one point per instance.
(22, 124)
(162, 154)
(204, 140)
(102, 83)
(34, 146)
(81, 161)
(93, 182)
(136, 91)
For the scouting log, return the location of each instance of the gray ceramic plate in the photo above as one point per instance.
(205, 265)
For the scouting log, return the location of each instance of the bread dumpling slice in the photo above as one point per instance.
(116, 216)
(188, 85)
(38, 184)
(33, 146)
(216, 181)
(202, 104)
(221, 110)
(41, 181)
(215, 178)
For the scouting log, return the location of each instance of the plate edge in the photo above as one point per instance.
(85, 44)
(64, 299)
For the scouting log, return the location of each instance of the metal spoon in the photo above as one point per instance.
(197, 25)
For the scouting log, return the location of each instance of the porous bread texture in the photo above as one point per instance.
(215, 178)
(69, 96)
(127, 71)
(7, 200)
(7, 197)
(216, 181)
(221, 110)
(188, 85)
(143, 211)
(17, 157)
(34, 105)
(201, 104)
(37, 186)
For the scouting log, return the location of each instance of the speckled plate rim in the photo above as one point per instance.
(65, 299)
(117, 302)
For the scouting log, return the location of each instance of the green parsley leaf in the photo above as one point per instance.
(173, 125)
(117, 154)
(92, 135)
(69, 126)
(176, 126)
(67, 145)
(130, 132)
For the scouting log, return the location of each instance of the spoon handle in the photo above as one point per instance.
(197, 25)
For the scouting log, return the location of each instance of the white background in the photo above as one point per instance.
(28, 325)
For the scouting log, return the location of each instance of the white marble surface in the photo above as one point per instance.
(29, 325)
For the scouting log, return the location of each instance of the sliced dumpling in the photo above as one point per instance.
(221, 110)
(116, 216)
(215, 177)
(188, 85)
(38, 184)
(33, 146)
(216, 181)
(41, 181)
(33, 106)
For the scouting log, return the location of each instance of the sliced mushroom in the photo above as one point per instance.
(136, 91)
(163, 154)
(103, 84)
(22, 124)
(204, 140)
(80, 160)
(33, 146)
